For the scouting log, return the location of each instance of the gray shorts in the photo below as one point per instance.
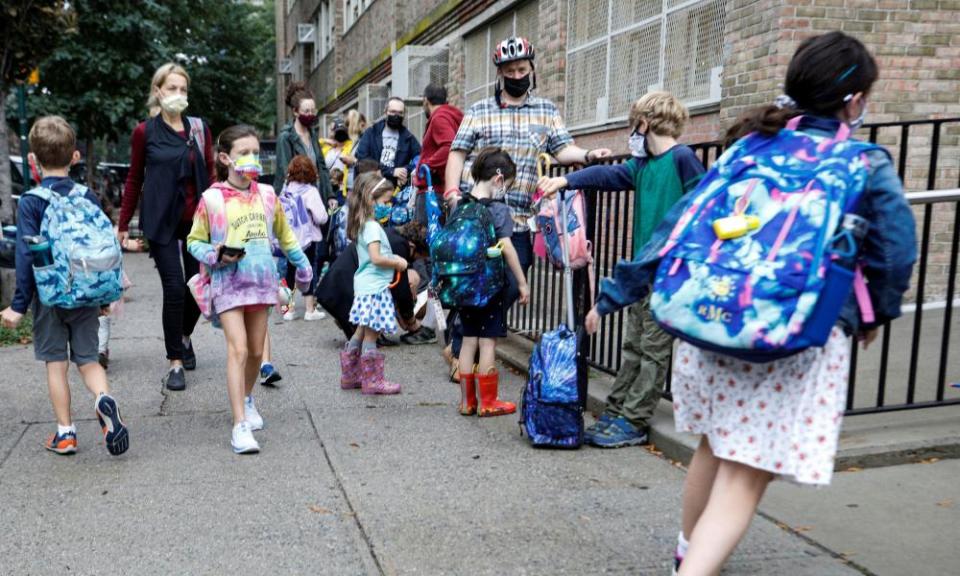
(55, 328)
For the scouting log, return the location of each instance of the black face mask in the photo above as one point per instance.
(517, 87)
(395, 121)
(341, 136)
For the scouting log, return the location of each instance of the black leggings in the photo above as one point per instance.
(180, 312)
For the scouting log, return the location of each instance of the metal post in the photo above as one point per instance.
(24, 147)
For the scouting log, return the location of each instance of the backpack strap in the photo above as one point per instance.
(41, 192)
(198, 135)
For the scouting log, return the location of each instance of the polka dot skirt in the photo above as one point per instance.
(783, 416)
(375, 311)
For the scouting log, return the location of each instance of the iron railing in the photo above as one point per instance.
(909, 367)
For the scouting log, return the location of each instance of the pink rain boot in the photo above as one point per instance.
(350, 369)
(371, 377)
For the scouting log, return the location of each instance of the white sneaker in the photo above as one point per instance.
(289, 315)
(315, 315)
(243, 441)
(251, 415)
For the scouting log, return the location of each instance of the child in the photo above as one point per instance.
(306, 214)
(337, 198)
(781, 418)
(231, 237)
(493, 171)
(53, 143)
(361, 365)
(660, 172)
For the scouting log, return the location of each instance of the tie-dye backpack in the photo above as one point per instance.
(463, 271)
(762, 261)
(87, 260)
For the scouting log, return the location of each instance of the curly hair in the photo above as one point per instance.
(301, 169)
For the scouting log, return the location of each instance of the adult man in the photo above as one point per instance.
(524, 126)
(443, 121)
(390, 144)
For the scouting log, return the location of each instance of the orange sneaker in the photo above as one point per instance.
(62, 443)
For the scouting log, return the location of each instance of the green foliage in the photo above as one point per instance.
(29, 32)
(22, 335)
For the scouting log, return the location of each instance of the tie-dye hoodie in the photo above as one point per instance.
(250, 219)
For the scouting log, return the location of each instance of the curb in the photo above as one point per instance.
(515, 350)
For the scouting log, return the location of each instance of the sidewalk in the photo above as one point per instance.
(345, 484)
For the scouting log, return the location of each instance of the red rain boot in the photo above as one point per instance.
(468, 394)
(490, 405)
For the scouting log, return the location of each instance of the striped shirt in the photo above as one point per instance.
(522, 131)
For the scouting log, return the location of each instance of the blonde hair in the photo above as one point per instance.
(354, 119)
(159, 77)
(666, 115)
(53, 141)
(367, 189)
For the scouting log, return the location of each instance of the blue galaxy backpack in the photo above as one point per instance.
(762, 261)
(463, 271)
(87, 260)
(554, 399)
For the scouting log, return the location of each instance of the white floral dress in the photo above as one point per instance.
(783, 416)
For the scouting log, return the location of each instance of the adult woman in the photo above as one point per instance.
(338, 151)
(171, 163)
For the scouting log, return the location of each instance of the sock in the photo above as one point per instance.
(61, 430)
(353, 344)
(369, 347)
(682, 545)
(264, 364)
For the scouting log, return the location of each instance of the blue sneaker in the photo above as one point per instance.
(114, 432)
(599, 426)
(269, 376)
(618, 433)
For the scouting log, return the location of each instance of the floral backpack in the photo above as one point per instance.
(762, 261)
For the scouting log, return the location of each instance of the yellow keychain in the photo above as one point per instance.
(735, 226)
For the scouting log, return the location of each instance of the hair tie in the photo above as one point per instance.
(784, 101)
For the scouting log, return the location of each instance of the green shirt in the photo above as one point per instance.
(370, 278)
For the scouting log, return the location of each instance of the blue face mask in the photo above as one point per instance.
(381, 213)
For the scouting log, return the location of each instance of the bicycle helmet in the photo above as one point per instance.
(513, 49)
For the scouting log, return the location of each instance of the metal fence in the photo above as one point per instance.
(910, 365)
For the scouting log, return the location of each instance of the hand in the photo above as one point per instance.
(549, 186)
(133, 245)
(122, 237)
(600, 153)
(10, 318)
(524, 294)
(105, 310)
(592, 323)
(868, 337)
(452, 201)
(401, 175)
(400, 263)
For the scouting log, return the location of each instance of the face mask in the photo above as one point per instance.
(517, 87)
(381, 213)
(248, 165)
(638, 147)
(174, 104)
(395, 121)
(307, 120)
(341, 136)
(859, 120)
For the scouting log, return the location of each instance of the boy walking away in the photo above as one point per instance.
(66, 315)
(660, 172)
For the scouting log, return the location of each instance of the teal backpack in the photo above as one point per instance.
(87, 260)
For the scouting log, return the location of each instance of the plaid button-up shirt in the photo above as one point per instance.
(522, 131)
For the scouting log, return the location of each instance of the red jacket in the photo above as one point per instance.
(441, 130)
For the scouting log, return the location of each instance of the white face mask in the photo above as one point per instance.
(638, 147)
(174, 104)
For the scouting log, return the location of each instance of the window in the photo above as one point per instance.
(326, 31)
(619, 49)
(352, 10)
(481, 74)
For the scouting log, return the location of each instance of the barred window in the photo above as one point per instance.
(617, 50)
(481, 74)
(326, 31)
(352, 10)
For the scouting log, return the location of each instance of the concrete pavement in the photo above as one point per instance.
(344, 485)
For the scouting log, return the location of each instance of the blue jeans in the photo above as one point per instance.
(524, 247)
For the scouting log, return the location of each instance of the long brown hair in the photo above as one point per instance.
(367, 189)
(824, 70)
(225, 144)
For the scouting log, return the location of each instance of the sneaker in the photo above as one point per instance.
(422, 336)
(242, 439)
(618, 434)
(600, 425)
(175, 379)
(114, 432)
(290, 315)
(269, 376)
(104, 359)
(384, 342)
(251, 415)
(62, 443)
(189, 356)
(315, 315)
